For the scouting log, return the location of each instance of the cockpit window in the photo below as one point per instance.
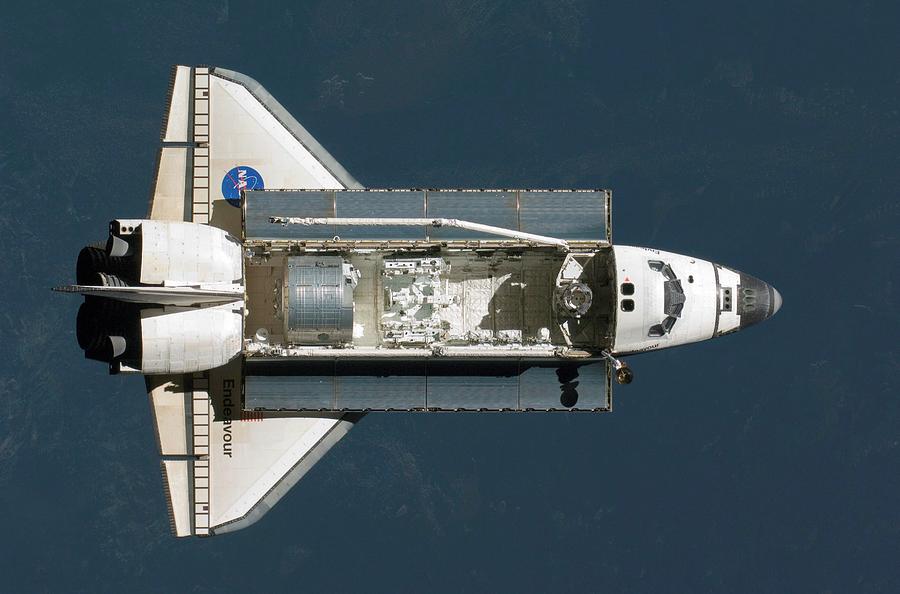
(673, 298)
(664, 268)
(627, 288)
(668, 323)
(658, 330)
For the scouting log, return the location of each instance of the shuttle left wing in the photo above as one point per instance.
(222, 133)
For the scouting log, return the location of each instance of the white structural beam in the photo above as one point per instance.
(421, 222)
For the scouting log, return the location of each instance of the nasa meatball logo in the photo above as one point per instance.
(240, 178)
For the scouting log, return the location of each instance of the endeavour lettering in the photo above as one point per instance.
(227, 404)
(649, 347)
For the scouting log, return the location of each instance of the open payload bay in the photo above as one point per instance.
(371, 303)
(372, 287)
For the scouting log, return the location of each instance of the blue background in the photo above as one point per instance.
(764, 135)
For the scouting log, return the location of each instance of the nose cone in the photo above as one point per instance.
(757, 301)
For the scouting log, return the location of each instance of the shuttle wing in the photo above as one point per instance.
(224, 468)
(219, 122)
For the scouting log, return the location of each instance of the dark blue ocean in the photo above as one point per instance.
(763, 135)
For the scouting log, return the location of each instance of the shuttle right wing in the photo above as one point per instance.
(223, 467)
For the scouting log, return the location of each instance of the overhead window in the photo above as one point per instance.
(627, 288)
(628, 305)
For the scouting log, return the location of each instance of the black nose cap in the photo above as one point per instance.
(757, 301)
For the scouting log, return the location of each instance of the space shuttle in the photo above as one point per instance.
(270, 300)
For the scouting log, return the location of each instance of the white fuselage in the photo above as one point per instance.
(709, 301)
